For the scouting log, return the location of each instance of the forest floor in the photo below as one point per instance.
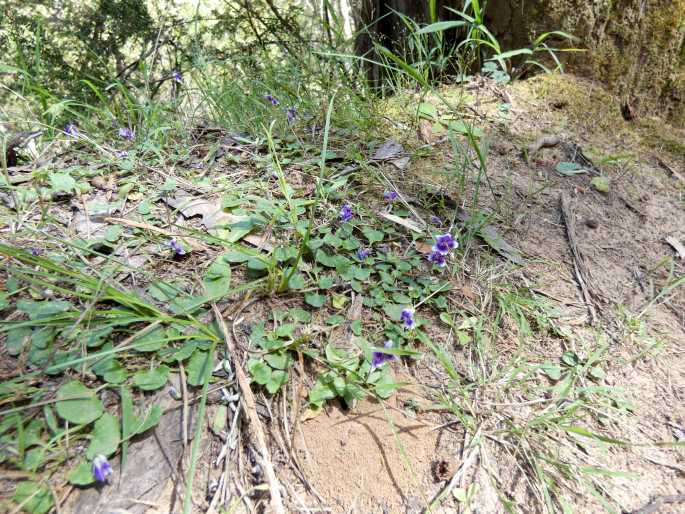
(545, 371)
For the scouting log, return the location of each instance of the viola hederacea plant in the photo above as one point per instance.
(438, 259)
(177, 76)
(270, 98)
(291, 114)
(346, 212)
(363, 253)
(176, 247)
(101, 468)
(380, 358)
(444, 243)
(71, 130)
(407, 317)
(127, 133)
(391, 196)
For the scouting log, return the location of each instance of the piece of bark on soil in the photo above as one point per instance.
(147, 468)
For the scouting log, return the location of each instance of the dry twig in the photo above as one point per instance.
(579, 266)
(658, 502)
(250, 407)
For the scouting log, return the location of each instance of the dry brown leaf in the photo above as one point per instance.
(468, 292)
(390, 149)
(190, 206)
(146, 226)
(354, 312)
(409, 224)
(401, 162)
(426, 131)
(677, 246)
(423, 247)
(213, 217)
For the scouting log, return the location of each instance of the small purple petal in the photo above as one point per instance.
(270, 98)
(101, 468)
(446, 240)
(391, 196)
(435, 220)
(438, 259)
(178, 76)
(407, 317)
(291, 114)
(346, 212)
(36, 251)
(380, 358)
(176, 247)
(71, 130)
(127, 133)
(363, 253)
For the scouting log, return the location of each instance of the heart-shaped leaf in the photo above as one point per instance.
(81, 474)
(77, 404)
(152, 379)
(105, 437)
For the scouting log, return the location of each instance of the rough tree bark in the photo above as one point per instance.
(635, 47)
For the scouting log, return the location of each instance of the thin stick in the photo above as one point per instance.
(251, 411)
(578, 262)
(658, 502)
(184, 394)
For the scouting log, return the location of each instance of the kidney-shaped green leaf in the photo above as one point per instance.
(77, 404)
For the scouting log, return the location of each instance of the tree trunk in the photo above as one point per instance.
(636, 48)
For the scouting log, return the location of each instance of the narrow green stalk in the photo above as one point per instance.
(194, 453)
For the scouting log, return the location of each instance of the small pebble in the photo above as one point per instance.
(592, 223)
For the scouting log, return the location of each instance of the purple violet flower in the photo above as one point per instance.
(346, 212)
(291, 114)
(71, 130)
(176, 247)
(407, 317)
(36, 251)
(438, 259)
(101, 468)
(391, 196)
(178, 76)
(127, 133)
(363, 253)
(435, 220)
(270, 98)
(444, 243)
(380, 358)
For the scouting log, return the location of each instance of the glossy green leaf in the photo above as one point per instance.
(61, 182)
(152, 379)
(105, 437)
(219, 420)
(217, 279)
(195, 370)
(78, 404)
(35, 498)
(81, 474)
(316, 300)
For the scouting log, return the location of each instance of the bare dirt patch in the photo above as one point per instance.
(375, 458)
